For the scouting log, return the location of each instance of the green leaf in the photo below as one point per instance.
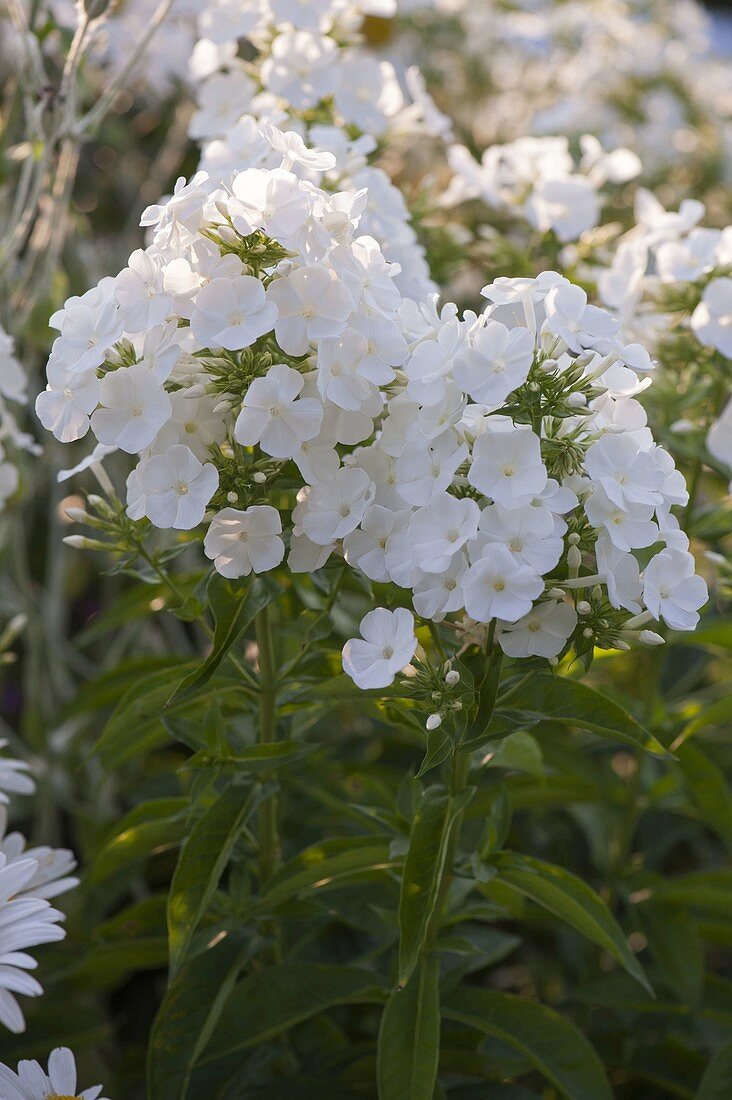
(201, 863)
(188, 1016)
(716, 1084)
(573, 901)
(409, 1036)
(716, 714)
(423, 870)
(273, 1000)
(552, 1044)
(518, 752)
(497, 824)
(234, 606)
(323, 864)
(674, 942)
(257, 758)
(479, 728)
(560, 699)
(707, 789)
(147, 830)
(135, 725)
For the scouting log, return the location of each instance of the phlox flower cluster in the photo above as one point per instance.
(670, 278)
(311, 75)
(273, 385)
(537, 180)
(29, 877)
(636, 73)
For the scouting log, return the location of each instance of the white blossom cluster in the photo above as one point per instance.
(537, 180)
(13, 383)
(259, 361)
(636, 73)
(672, 276)
(312, 75)
(29, 877)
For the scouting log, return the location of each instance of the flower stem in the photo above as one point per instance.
(269, 840)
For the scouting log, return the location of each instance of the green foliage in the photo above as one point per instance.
(304, 894)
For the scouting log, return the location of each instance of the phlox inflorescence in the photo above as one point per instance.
(279, 393)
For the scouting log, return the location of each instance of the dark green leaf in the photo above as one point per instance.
(423, 870)
(147, 830)
(201, 863)
(324, 864)
(234, 606)
(707, 788)
(574, 704)
(674, 942)
(271, 1001)
(188, 1015)
(573, 901)
(552, 1044)
(409, 1036)
(716, 1084)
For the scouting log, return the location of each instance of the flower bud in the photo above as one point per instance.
(433, 722)
(576, 400)
(452, 677)
(588, 632)
(259, 477)
(649, 637)
(232, 497)
(584, 608)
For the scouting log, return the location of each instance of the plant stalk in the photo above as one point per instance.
(269, 839)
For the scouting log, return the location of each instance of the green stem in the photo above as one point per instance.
(269, 840)
(459, 772)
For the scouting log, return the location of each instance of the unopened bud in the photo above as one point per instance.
(554, 661)
(259, 477)
(574, 560)
(78, 515)
(80, 542)
(433, 722)
(588, 632)
(573, 539)
(576, 400)
(452, 677)
(649, 637)
(620, 644)
(232, 497)
(584, 608)
(556, 593)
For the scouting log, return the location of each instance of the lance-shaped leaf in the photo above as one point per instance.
(575, 704)
(409, 1036)
(707, 788)
(423, 870)
(572, 900)
(271, 1001)
(234, 607)
(201, 863)
(325, 864)
(188, 1016)
(151, 828)
(716, 1084)
(552, 1044)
